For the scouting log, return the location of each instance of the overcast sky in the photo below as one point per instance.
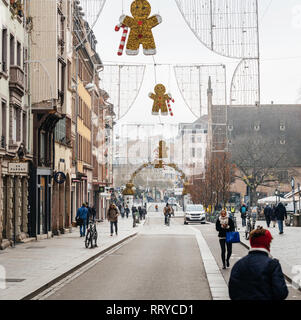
(280, 51)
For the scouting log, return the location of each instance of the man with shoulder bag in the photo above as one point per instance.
(81, 219)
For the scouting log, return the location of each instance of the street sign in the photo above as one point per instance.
(18, 167)
(60, 177)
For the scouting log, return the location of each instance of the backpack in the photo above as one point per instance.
(243, 210)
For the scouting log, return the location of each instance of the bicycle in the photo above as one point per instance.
(91, 235)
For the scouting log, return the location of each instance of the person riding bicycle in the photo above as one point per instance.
(167, 212)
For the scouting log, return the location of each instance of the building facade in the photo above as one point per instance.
(15, 123)
(266, 136)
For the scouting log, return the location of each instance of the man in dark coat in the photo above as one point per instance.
(243, 210)
(268, 214)
(280, 214)
(257, 276)
(82, 214)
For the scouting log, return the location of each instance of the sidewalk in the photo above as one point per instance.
(33, 265)
(285, 247)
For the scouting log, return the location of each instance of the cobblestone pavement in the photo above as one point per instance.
(30, 266)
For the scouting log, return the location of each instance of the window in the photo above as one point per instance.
(25, 68)
(193, 139)
(24, 138)
(283, 176)
(4, 50)
(12, 50)
(13, 124)
(42, 147)
(193, 152)
(19, 53)
(60, 131)
(18, 124)
(3, 124)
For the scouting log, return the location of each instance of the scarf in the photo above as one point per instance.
(224, 220)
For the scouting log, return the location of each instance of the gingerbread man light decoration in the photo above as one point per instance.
(161, 101)
(141, 28)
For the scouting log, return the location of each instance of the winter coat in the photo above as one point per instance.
(243, 215)
(221, 231)
(82, 213)
(281, 212)
(267, 212)
(257, 277)
(113, 214)
(273, 214)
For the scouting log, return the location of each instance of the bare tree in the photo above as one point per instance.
(258, 162)
(214, 187)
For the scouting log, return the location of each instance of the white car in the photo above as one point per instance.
(194, 213)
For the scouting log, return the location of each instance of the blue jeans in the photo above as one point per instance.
(243, 222)
(280, 225)
(83, 229)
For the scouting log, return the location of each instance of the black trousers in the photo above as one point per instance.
(225, 245)
(116, 228)
(268, 221)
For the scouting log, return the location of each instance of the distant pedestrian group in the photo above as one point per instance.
(276, 213)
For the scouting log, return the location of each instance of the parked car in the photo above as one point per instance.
(194, 213)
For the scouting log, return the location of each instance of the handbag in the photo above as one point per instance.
(79, 221)
(232, 237)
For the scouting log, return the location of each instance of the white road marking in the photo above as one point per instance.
(217, 283)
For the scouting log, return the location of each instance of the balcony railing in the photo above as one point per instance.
(16, 80)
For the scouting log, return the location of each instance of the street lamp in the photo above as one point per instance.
(293, 191)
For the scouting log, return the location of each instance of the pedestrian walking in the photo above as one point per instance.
(113, 213)
(144, 212)
(134, 212)
(257, 276)
(140, 212)
(267, 214)
(156, 207)
(167, 212)
(243, 210)
(81, 217)
(122, 211)
(273, 215)
(280, 212)
(223, 225)
(89, 212)
(127, 211)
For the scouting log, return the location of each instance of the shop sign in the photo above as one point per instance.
(18, 167)
(60, 177)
